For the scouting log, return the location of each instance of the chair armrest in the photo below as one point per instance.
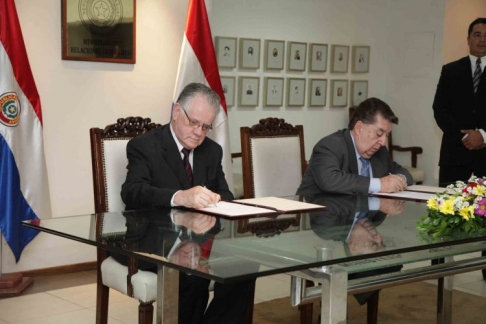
(414, 150)
(235, 155)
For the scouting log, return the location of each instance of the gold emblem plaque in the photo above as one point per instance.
(98, 30)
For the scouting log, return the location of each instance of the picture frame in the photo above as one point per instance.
(249, 53)
(339, 93)
(87, 36)
(295, 92)
(228, 83)
(359, 91)
(317, 92)
(339, 58)
(274, 54)
(273, 94)
(226, 50)
(248, 91)
(318, 57)
(296, 56)
(361, 59)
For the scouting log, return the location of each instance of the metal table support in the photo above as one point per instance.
(167, 295)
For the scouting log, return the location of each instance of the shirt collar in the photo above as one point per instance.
(473, 62)
(179, 145)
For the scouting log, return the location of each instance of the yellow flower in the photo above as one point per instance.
(447, 207)
(432, 204)
(467, 212)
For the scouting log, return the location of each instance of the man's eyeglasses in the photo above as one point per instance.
(194, 123)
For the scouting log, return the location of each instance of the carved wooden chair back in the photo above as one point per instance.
(273, 158)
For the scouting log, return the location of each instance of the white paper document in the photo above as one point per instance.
(429, 189)
(279, 204)
(231, 209)
(409, 195)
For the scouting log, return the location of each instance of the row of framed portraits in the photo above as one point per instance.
(295, 88)
(297, 54)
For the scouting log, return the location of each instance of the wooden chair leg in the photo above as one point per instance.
(306, 311)
(372, 314)
(145, 313)
(102, 297)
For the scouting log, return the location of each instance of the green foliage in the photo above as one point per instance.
(437, 224)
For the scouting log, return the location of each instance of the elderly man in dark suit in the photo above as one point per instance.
(355, 160)
(460, 111)
(177, 165)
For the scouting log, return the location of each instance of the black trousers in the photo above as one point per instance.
(449, 174)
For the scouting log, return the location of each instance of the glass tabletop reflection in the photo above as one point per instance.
(357, 233)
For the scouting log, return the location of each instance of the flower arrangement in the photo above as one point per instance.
(461, 208)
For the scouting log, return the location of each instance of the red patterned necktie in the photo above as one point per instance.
(187, 165)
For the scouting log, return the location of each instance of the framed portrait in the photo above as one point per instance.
(361, 59)
(249, 53)
(339, 93)
(318, 57)
(296, 53)
(273, 94)
(274, 54)
(228, 83)
(88, 35)
(339, 58)
(226, 52)
(317, 92)
(295, 92)
(359, 92)
(248, 91)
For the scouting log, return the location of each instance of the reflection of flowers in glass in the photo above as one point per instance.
(460, 208)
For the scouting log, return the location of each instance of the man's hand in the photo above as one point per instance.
(196, 197)
(196, 222)
(391, 207)
(364, 238)
(473, 139)
(393, 183)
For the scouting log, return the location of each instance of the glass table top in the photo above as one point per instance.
(357, 233)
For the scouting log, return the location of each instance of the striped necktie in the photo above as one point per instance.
(365, 167)
(187, 165)
(477, 75)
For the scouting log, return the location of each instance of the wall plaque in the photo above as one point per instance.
(98, 30)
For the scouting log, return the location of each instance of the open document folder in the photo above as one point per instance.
(258, 206)
(414, 192)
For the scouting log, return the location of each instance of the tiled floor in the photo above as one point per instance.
(71, 298)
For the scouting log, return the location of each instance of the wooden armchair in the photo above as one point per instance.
(417, 174)
(109, 162)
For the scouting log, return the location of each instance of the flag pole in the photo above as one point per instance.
(12, 284)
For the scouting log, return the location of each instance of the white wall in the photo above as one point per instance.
(79, 95)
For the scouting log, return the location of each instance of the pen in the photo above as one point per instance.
(215, 204)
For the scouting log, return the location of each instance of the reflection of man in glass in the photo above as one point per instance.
(250, 51)
(318, 91)
(318, 56)
(275, 52)
(226, 51)
(340, 92)
(249, 91)
(297, 55)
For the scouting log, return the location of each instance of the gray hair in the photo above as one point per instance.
(193, 89)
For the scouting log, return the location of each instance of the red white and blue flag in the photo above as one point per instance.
(197, 63)
(24, 190)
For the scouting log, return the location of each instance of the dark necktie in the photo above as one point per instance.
(187, 165)
(477, 75)
(365, 167)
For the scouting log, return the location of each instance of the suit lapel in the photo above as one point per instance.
(352, 162)
(172, 156)
(199, 167)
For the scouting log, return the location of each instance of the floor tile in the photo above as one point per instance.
(84, 316)
(3, 322)
(34, 306)
(126, 312)
(478, 288)
(44, 283)
(268, 288)
(85, 295)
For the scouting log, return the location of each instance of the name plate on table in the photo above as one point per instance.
(98, 30)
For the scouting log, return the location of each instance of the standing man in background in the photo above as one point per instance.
(460, 111)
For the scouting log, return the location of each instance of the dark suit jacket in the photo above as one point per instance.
(333, 167)
(455, 108)
(156, 171)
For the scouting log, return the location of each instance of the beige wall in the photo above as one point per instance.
(458, 15)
